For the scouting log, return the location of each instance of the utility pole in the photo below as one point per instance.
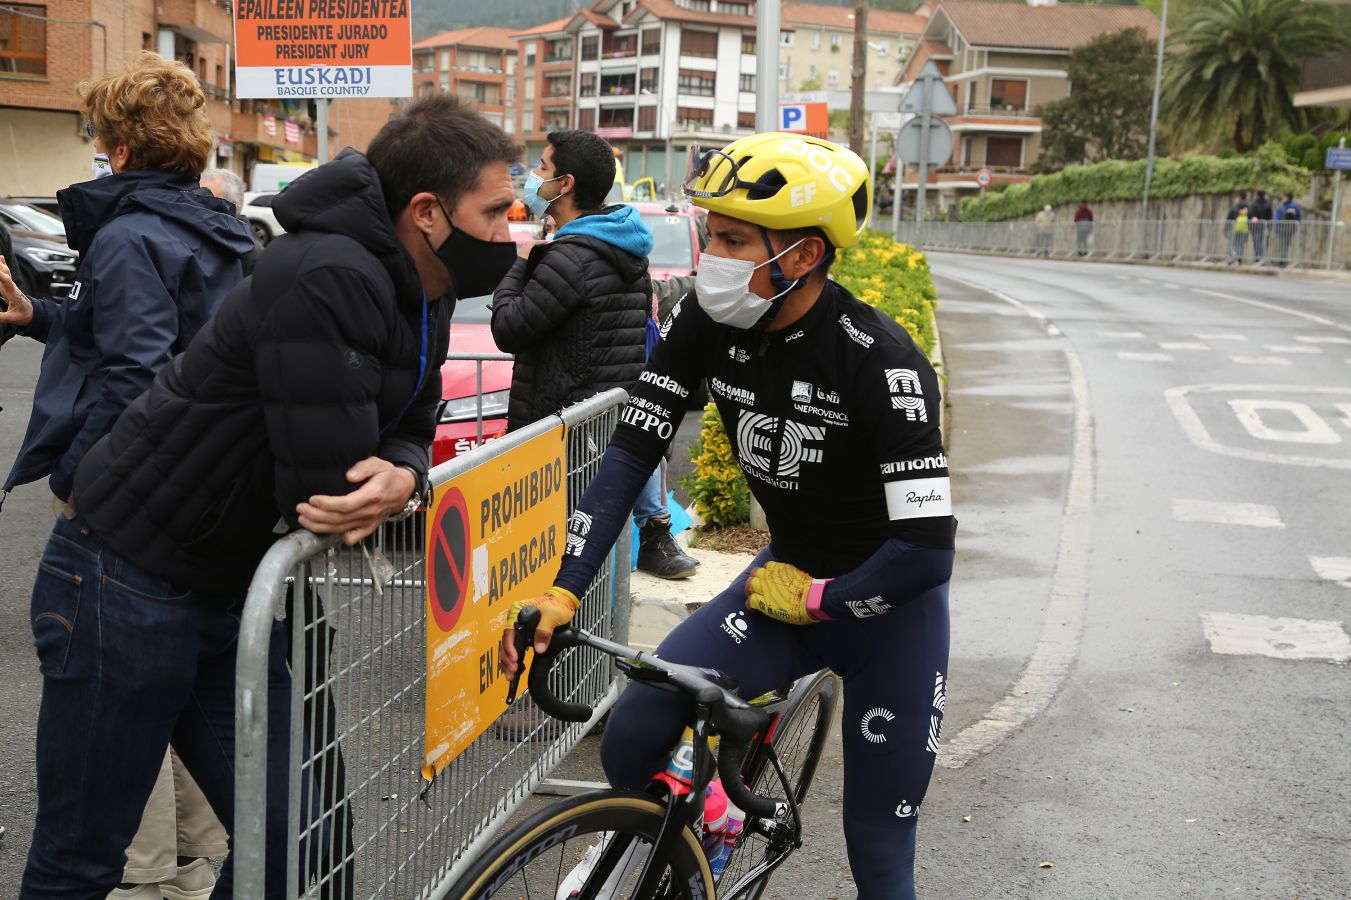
(858, 76)
(767, 26)
(1154, 113)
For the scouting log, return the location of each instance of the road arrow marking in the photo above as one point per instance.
(1236, 634)
(1253, 515)
(1332, 568)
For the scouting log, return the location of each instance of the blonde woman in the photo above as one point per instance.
(157, 255)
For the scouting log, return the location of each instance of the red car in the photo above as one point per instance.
(675, 251)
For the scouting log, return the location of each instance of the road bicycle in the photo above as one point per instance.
(647, 845)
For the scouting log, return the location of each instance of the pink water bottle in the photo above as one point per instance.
(731, 835)
(715, 820)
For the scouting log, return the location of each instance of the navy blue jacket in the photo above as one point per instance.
(157, 256)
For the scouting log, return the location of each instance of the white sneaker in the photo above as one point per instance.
(631, 862)
(195, 881)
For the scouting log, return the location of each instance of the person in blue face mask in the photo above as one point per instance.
(575, 311)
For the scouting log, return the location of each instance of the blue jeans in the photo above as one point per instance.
(651, 503)
(130, 664)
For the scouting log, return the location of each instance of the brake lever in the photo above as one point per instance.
(525, 635)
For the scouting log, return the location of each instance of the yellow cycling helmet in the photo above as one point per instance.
(784, 181)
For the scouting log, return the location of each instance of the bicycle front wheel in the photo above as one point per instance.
(798, 737)
(593, 842)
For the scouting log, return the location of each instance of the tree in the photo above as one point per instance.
(1106, 115)
(858, 78)
(1235, 65)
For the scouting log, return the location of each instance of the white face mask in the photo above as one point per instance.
(722, 287)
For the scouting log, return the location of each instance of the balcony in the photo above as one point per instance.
(203, 21)
(555, 100)
(998, 109)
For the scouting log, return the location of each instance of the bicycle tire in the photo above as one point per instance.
(799, 738)
(564, 831)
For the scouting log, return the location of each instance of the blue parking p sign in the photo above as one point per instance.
(1338, 158)
(792, 117)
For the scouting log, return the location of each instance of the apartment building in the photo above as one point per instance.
(819, 50)
(654, 76)
(47, 49)
(475, 64)
(1000, 62)
(545, 61)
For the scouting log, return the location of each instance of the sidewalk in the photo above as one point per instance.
(660, 605)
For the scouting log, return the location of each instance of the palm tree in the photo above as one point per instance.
(1235, 66)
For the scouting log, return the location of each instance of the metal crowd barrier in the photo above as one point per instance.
(361, 820)
(1307, 245)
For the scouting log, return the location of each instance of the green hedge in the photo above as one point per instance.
(892, 277)
(1312, 152)
(1269, 168)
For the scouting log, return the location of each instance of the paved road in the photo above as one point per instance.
(1151, 469)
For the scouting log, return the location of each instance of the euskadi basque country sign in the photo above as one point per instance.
(323, 48)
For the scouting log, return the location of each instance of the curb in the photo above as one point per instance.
(1336, 276)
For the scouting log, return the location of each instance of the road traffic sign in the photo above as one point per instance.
(984, 177)
(940, 102)
(911, 141)
(805, 118)
(1338, 158)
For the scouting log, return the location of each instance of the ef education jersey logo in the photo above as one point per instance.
(755, 437)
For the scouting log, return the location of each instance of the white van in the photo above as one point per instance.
(272, 177)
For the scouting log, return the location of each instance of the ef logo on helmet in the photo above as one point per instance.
(819, 159)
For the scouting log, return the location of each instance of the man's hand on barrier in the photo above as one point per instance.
(556, 607)
(18, 308)
(385, 489)
(786, 593)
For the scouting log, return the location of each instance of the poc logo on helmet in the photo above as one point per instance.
(819, 159)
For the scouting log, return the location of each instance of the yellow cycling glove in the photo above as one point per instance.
(786, 593)
(556, 607)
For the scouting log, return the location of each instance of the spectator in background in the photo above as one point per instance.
(575, 310)
(230, 187)
(1238, 241)
(1259, 223)
(1083, 227)
(157, 256)
(1044, 223)
(1289, 216)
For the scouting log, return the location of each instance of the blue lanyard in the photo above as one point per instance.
(421, 374)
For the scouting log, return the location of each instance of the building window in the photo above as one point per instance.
(530, 89)
(748, 42)
(883, 47)
(816, 40)
(1008, 94)
(647, 81)
(619, 46)
(530, 49)
(586, 119)
(832, 75)
(698, 43)
(745, 120)
(785, 38)
(1004, 151)
(734, 9)
(694, 118)
(23, 41)
(835, 43)
(651, 41)
(783, 71)
(647, 118)
(748, 83)
(698, 5)
(527, 121)
(700, 84)
(590, 47)
(587, 85)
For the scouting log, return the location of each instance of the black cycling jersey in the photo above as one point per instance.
(834, 420)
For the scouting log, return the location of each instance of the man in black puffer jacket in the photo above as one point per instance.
(309, 400)
(575, 310)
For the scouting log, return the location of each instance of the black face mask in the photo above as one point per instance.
(476, 266)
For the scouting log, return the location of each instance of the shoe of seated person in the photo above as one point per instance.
(195, 881)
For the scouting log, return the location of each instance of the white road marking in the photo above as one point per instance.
(1316, 430)
(1121, 334)
(1261, 360)
(1332, 568)
(1183, 345)
(1221, 337)
(1199, 435)
(1236, 634)
(1172, 287)
(1144, 357)
(1122, 277)
(1272, 306)
(1253, 515)
(1291, 348)
(1062, 623)
(1313, 339)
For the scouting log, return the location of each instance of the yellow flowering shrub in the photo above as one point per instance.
(893, 278)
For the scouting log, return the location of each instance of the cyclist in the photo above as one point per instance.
(833, 415)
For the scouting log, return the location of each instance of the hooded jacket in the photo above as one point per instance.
(309, 366)
(157, 255)
(575, 313)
